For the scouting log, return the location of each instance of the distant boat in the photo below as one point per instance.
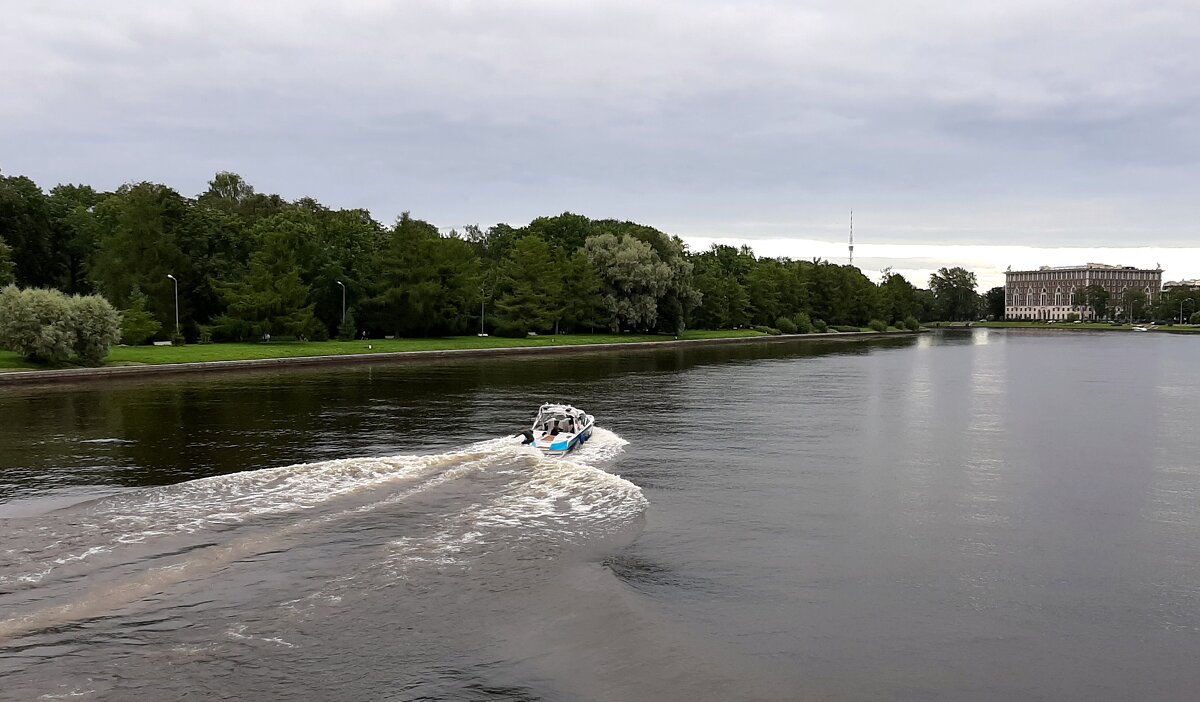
(1140, 329)
(559, 429)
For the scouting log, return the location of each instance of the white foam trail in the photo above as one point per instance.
(562, 497)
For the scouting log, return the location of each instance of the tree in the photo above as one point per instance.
(993, 303)
(25, 226)
(138, 245)
(581, 294)
(137, 325)
(954, 291)
(74, 231)
(1134, 304)
(428, 283)
(897, 296)
(270, 298)
(6, 265)
(632, 278)
(529, 288)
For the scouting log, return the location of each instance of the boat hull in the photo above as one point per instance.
(562, 444)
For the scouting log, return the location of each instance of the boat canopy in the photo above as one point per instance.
(551, 415)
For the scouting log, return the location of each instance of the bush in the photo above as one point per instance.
(803, 324)
(49, 327)
(877, 325)
(845, 328)
(767, 330)
(95, 326)
(911, 323)
(1195, 318)
(820, 326)
(785, 325)
(178, 340)
(36, 324)
(1072, 316)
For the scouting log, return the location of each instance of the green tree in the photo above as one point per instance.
(1134, 304)
(529, 288)
(75, 232)
(429, 284)
(897, 296)
(993, 303)
(25, 226)
(270, 298)
(6, 265)
(582, 307)
(137, 325)
(954, 291)
(632, 276)
(138, 245)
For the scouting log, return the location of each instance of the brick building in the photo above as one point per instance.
(1046, 292)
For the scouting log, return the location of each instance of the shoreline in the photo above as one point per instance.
(71, 375)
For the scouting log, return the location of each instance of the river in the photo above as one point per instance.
(979, 515)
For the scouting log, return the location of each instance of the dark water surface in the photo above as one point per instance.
(962, 516)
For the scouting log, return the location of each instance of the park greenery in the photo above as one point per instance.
(251, 266)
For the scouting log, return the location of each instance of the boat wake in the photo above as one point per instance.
(446, 509)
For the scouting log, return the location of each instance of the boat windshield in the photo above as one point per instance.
(560, 417)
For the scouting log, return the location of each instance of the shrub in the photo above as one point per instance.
(767, 330)
(49, 327)
(803, 324)
(911, 323)
(785, 325)
(1072, 316)
(137, 325)
(877, 325)
(178, 340)
(845, 328)
(820, 326)
(36, 324)
(1195, 318)
(95, 325)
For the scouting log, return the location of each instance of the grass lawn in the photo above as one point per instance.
(195, 353)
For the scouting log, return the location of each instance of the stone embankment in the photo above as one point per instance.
(75, 375)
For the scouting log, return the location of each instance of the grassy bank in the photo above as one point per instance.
(198, 353)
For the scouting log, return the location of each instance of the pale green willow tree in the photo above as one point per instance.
(632, 277)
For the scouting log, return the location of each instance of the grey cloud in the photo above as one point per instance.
(1026, 122)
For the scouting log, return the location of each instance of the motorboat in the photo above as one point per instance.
(559, 429)
(1140, 328)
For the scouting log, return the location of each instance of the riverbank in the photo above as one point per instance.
(152, 360)
(1088, 326)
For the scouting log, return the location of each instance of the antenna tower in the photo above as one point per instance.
(852, 237)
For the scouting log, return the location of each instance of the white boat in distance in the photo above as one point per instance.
(558, 429)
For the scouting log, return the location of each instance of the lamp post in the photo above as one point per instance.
(343, 300)
(176, 281)
(1186, 299)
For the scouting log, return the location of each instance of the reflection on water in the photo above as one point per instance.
(963, 515)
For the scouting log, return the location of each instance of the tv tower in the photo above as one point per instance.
(852, 237)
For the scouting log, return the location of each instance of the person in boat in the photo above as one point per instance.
(557, 429)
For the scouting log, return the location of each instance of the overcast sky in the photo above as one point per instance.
(948, 127)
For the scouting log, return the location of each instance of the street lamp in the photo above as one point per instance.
(343, 300)
(1186, 299)
(176, 281)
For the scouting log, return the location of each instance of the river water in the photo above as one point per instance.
(962, 516)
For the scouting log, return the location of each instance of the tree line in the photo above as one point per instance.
(248, 264)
